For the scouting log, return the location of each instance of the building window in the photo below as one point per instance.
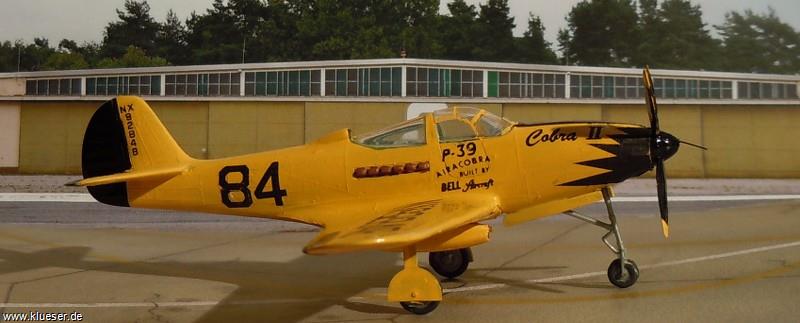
(382, 81)
(203, 84)
(603, 87)
(618, 87)
(768, 91)
(124, 85)
(52, 87)
(438, 82)
(526, 85)
(282, 83)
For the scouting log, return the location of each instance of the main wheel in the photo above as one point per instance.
(420, 308)
(616, 277)
(451, 263)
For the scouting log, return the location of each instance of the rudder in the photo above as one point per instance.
(125, 136)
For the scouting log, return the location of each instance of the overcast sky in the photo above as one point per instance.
(84, 20)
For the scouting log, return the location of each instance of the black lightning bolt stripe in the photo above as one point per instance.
(630, 158)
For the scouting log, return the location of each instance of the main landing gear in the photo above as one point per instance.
(622, 272)
(450, 263)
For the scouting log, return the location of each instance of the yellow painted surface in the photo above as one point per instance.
(542, 113)
(51, 136)
(9, 134)
(237, 128)
(441, 187)
(414, 191)
(322, 118)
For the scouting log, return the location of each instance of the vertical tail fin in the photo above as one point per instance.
(125, 141)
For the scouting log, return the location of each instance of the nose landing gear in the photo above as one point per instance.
(622, 272)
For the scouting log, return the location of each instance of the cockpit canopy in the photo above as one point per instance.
(452, 124)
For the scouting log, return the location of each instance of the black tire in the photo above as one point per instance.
(420, 308)
(451, 263)
(615, 273)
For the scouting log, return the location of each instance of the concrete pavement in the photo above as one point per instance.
(725, 261)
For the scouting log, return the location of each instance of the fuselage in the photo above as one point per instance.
(526, 165)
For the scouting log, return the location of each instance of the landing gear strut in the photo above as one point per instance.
(417, 290)
(622, 272)
(450, 263)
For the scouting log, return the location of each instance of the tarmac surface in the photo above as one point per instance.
(733, 261)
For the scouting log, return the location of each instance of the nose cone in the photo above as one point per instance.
(666, 146)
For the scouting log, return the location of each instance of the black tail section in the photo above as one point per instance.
(105, 152)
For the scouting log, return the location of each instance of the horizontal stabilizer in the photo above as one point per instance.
(154, 175)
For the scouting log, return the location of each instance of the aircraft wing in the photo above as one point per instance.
(384, 227)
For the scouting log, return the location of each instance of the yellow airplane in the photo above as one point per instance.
(423, 185)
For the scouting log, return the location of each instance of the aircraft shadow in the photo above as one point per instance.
(277, 291)
(483, 275)
(267, 291)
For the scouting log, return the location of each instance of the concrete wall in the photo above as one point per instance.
(323, 117)
(51, 136)
(237, 128)
(187, 122)
(752, 142)
(12, 87)
(743, 141)
(9, 136)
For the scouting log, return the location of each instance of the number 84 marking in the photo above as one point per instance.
(270, 176)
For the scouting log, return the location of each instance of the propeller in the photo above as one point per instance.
(662, 146)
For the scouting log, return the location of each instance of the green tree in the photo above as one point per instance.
(222, 33)
(133, 57)
(495, 38)
(370, 29)
(458, 30)
(419, 29)
(135, 27)
(170, 40)
(759, 43)
(277, 37)
(68, 45)
(674, 36)
(601, 33)
(65, 61)
(8, 57)
(532, 47)
(33, 56)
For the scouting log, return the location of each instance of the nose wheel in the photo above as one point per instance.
(420, 308)
(620, 278)
(622, 272)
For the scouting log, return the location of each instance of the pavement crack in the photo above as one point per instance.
(155, 317)
(214, 245)
(8, 297)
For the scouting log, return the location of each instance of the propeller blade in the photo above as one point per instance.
(661, 182)
(651, 101)
(693, 145)
(661, 147)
